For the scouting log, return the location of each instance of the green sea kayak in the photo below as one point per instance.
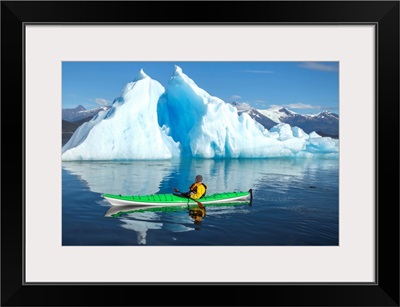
(177, 199)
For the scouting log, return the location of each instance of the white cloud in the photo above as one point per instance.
(235, 97)
(298, 105)
(319, 66)
(260, 104)
(102, 102)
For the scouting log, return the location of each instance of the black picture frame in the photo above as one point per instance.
(383, 14)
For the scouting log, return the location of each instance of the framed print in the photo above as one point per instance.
(284, 114)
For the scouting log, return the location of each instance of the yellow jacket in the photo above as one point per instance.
(197, 190)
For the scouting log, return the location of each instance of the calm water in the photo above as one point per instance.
(295, 202)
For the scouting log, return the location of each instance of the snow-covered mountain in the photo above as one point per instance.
(73, 118)
(324, 123)
(80, 113)
(266, 121)
(149, 121)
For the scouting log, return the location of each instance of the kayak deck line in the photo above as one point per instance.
(177, 199)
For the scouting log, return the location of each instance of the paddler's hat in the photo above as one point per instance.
(199, 178)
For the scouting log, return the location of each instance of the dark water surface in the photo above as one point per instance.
(295, 203)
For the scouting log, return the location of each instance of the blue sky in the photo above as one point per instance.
(303, 87)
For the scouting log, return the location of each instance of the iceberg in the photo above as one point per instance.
(129, 130)
(148, 121)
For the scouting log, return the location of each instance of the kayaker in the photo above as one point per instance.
(198, 189)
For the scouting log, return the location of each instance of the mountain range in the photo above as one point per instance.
(73, 118)
(324, 123)
(81, 113)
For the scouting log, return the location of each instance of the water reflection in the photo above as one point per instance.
(117, 211)
(140, 227)
(113, 177)
(197, 214)
(150, 177)
(143, 218)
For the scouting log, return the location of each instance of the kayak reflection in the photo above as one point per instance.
(194, 210)
(117, 211)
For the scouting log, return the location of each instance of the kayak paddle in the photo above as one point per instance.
(199, 203)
